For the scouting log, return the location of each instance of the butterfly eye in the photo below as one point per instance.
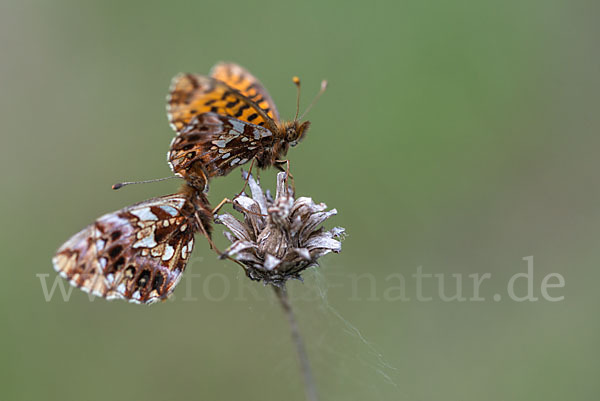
(291, 134)
(190, 155)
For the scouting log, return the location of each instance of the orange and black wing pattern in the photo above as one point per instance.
(240, 79)
(192, 95)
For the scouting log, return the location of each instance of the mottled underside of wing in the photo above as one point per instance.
(240, 79)
(137, 253)
(191, 95)
(220, 143)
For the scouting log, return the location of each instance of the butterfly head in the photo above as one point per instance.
(295, 131)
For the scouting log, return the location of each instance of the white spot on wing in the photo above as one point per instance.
(146, 242)
(184, 251)
(169, 209)
(168, 253)
(100, 244)
(144, 214)
(237, 125)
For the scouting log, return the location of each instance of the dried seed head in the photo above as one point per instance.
(279, 237)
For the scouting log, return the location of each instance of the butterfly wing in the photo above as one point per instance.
(219, 144)
(239, 78)
(191, 95)
(137, 253)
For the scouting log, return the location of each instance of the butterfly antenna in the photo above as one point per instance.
(321, 91)
(296, 81)
(120, 185)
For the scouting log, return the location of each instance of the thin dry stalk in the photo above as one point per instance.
(310, 387)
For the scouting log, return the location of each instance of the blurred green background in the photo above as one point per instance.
(459, 136)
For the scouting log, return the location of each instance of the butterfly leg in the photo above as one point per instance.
(208, 237)
(227, 200)
(247, 178)
(220, 205)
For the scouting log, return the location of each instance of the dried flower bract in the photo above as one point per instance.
(280, 237)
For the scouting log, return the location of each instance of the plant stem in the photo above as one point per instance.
(310, 387)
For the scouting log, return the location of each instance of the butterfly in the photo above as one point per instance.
(225, 120)
(137, 253)
(140, 252)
